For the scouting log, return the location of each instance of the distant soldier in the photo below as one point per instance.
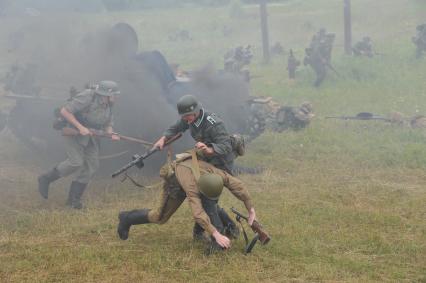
(363, 47)
(294, 118)
(292, 64)
(318, 62)
(277, 49)
(420, 40)
(89, 109)
(318, 54)
(237, 59)
(266, 113)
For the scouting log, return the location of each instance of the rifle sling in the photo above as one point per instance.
(249, 245)
(127, 176)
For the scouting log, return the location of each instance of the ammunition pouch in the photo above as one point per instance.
(167, 171)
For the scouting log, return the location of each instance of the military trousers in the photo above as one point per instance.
(82, 157)
(173, 195)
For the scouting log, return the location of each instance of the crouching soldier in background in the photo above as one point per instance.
(89, 109)
(201, 183)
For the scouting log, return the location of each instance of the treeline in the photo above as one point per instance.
(143, 4)
(22, 6)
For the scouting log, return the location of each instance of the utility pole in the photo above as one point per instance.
(348, 26)
(264, 27)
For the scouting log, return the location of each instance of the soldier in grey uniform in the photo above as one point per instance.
(89, 109)
(207, 129)
(420, 40)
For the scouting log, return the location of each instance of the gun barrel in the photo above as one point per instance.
(124, 168)
(144, 156)
(238, 213)
(134, 162)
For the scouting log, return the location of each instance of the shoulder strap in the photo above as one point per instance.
(195, 167)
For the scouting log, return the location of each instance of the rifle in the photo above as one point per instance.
(257, 228)
(361, 116)
(138, 159)
(332, 68)
(68, 131)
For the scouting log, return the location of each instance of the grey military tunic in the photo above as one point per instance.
(83, 151)
(209, 129)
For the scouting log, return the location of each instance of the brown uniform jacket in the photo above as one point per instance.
(186, 179)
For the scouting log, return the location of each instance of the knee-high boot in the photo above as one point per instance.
(44, 181)
(129, 218)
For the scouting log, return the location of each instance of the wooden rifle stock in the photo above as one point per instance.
(257, 228)
(68, 131)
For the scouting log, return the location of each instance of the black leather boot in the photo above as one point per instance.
(45, 180)
(74, 196)
(197, 232)
(129, 218)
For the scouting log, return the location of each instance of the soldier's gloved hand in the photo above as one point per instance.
(84, 131)
(222, 240)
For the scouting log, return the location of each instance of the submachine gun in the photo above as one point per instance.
(260, 234)
(137, 160)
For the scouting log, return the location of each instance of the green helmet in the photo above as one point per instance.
(210, 185)
(188, 104)
(107, 88)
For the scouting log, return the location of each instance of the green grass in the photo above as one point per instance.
(344, 201)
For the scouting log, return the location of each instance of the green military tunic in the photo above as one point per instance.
(209, 129)
(83, 151)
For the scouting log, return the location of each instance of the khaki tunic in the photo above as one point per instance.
(83, 151)
(183, 184)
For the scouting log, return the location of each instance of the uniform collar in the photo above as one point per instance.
(200, 119)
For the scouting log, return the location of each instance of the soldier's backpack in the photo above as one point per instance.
(59, 121)
(238, 144)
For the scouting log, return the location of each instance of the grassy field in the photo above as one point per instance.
(344, 201)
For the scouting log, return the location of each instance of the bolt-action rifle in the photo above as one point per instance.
(361, 116)
(137, 160)
(332, 68)
(68, 131)
(257, 228)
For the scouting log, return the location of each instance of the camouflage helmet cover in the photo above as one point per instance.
(304, 112)
(107, 88)
(210, 185)
(188, 104)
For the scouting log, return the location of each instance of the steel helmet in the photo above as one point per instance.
(188, 104)
(210, 185)
(107, 88)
